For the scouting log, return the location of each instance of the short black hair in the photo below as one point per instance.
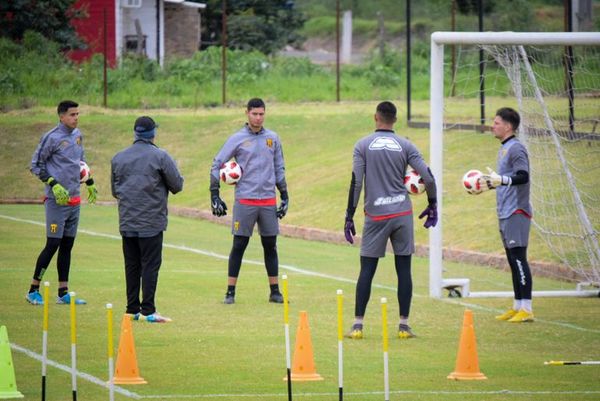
(387, 112)
(255, 103)
(65, 105)
(510, 116)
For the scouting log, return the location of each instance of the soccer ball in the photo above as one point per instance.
(471, 182)
(414, 182)
(84, 171)
(230, 172)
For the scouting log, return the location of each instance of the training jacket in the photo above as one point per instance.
(381, 159)
(261, 158)
(141, 177)
(58, 155)
(513, 157)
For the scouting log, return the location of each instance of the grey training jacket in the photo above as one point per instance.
(141, 177)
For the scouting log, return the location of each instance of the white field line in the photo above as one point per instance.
(80, 374)
(130, 394)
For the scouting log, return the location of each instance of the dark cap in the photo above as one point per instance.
(144, 124)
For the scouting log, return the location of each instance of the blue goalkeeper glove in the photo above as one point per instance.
(432, 215)
(61, 195)
(92, 191)
(349, 229)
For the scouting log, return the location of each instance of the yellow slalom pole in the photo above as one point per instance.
(45, 337)
(386, 377)
(73, 347)
(286, 323)
(340, 321)
(111, 369)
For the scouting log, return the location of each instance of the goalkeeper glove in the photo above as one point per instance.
(61, 195)
(283, 205)
(92, 191)
(349, 229)
(219, 208)
(431, 213)
(493, 180)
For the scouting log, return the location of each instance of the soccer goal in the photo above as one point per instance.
(553, 80)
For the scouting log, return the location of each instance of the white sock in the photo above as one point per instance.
(517, 304)
(404, 320)
(358, 320)
(526, 304)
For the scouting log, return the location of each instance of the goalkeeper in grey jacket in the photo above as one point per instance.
(380, 160)
(258, 152)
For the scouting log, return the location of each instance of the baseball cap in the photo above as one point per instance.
(144, 124)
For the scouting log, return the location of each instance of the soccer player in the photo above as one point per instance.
(514, 210)
(56, 163)
(259, 153)
(380, 161)
(142, 176)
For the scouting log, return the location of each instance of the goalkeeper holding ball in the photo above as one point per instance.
(380, 160)
(56, 163)
(514, 209)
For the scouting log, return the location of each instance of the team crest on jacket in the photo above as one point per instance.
(385, 143)
(269, 142)
(78, 140)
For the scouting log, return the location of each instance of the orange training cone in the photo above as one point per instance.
(127, 371)
(8, 384)
(467, 365)
(303, 362)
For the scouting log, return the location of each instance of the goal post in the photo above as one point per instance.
(590, 234)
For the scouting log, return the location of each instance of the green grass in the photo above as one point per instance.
(211, 349)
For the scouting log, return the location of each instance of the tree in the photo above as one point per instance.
(51, 18)
(263, 25)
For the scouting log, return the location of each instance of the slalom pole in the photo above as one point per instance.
(286, 323)
(45, 338)
(386, 376)
(340, 309)
(561, 363)
(111, 369)
(73, 347)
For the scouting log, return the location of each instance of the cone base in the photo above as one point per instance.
(11, 394)
(129, 380)
(466, 376)
(304, 377)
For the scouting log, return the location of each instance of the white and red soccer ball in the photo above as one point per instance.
(472, 182)
(230, 172)
(84, 171)
(414, 182)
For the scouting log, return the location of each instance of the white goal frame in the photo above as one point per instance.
(438, 39)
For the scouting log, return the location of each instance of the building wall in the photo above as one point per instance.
(182, 30)
(91, 30)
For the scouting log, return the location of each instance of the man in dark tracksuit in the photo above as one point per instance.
(141, 177)
(259, 153)
(380, 160)
(56, 163)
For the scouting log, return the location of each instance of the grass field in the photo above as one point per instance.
(216, 352)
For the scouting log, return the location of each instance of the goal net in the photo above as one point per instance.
(553, 80)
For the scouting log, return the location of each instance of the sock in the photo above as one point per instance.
(517, 304)
(526, 304)
(274, 288)
(358, 322)
(231, 290)
(34, 288)
(62, 291)
(404, 321)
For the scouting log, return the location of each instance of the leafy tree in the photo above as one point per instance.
(51, 18)
(263, 25)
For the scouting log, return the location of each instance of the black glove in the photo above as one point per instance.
(283, 205)
(219, 208)
(431, 213)
(349, 229)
